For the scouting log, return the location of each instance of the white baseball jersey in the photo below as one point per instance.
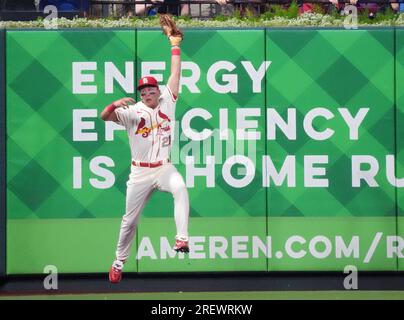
(150, 130)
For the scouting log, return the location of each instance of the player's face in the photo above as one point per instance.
(150, 96)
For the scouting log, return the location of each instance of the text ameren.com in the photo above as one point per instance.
(364, 168)
(295, 247)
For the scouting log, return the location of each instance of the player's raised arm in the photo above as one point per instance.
(175, 36)
(108, 114)
(174, 79)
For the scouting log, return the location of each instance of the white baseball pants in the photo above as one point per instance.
(141, 184)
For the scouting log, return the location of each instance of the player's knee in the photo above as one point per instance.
(180, 190)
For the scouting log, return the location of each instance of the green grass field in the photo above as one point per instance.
(244, 295)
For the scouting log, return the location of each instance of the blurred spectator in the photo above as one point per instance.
(111, 8)
(20, 5)
(341, 6)
(208, 10)
(140, 9)
(170, 6)
(160, 6)
(398, 7)
(66, 5)
(173, 7)
(306, 8)
(255, 7)
(371, 7)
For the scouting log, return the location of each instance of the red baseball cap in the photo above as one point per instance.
(147, 81)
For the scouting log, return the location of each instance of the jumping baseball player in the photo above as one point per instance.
(149, 124)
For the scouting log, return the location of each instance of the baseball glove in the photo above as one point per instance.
(171, 30)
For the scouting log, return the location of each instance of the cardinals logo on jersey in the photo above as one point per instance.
(141, 129)
(163, 126)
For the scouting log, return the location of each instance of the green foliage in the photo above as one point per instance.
(275, 11)
(249, 14)
(287, 12)
(276, 15)
(293, 10)
(186, 18)
(237, 13)
(220, 17)
(388, 17)
(317, 8)
(389, 14)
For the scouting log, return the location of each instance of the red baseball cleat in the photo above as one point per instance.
(115, 273)
(181, 246)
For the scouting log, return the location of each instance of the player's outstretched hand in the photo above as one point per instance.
(124, 103)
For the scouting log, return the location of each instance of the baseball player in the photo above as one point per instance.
(149, 124)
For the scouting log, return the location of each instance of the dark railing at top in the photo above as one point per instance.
(203, 8)
(194, 8)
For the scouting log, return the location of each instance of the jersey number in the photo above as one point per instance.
(166, 141)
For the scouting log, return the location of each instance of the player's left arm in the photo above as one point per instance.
(174, 79)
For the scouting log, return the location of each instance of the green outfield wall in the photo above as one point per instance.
(399, 93)
(289, 141)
